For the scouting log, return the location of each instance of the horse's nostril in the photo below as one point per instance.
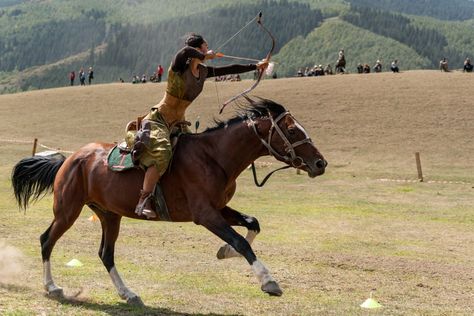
(321, 164)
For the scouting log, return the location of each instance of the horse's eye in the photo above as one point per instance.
(291, 131)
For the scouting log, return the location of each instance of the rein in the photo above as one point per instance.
(290, 158)
(254, 171)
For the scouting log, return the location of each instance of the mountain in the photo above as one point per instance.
(41, 41)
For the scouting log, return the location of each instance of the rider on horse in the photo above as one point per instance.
(186, 77)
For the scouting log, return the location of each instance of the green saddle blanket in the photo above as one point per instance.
(119, 160)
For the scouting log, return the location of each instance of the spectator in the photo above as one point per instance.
(467, 65)
(72, 77)
(378, 66)
(318, 70)
(328, 70)
(82, 77)
(366, 69)
(90, 75)
(341, 62)
(121, 80)
(135, 79)
(443, 65)
(394, 66)
(159, 71)
(143, 78)
(300, 72)
(360, 68)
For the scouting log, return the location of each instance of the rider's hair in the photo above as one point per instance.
(194, 40)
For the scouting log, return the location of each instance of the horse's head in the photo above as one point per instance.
(286, 139)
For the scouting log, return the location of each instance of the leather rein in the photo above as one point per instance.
(290, 156)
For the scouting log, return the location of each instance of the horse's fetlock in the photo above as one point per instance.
(254, 224)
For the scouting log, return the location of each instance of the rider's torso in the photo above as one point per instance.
(181, 90)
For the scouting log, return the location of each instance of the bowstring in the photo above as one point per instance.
(222, 45)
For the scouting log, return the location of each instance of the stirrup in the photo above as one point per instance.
(140, 210)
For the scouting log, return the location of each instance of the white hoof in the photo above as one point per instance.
(55, 291)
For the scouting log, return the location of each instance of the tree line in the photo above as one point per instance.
(440, 9)
(426, 42)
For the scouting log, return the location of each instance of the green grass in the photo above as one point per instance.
(326, 244)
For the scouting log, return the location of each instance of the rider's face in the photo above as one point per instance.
(204, 48)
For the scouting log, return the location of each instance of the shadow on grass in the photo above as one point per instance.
(123, 308)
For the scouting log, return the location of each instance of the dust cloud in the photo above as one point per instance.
(10, 263)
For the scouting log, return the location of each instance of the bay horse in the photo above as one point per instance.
(199, 183)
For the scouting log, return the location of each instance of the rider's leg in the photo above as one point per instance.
(145, 204)
(156, 157)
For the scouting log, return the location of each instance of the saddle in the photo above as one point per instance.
(126, 155)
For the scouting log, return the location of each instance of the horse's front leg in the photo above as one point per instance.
(216, 223)
(235, 218)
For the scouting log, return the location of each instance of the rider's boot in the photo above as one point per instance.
(145, 204)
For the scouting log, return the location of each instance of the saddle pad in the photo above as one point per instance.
(119, 161)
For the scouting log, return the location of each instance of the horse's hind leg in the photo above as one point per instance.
(110, 230)
(235, 218)
(219, 226)
(61, 223)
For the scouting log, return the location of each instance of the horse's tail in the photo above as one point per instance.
(33, 177)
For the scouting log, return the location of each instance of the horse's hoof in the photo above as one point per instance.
(135, 301)
(221, 252)
(57, 292)
(272, 288)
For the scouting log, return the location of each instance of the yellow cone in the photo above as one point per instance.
(93, 218)
(370, 303)
(74, 263)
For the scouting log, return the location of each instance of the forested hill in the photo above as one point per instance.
(440, 9)
(138, 49)
(41, 41)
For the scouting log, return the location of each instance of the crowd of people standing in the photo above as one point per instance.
(82, 76)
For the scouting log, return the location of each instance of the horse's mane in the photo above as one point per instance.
(249, 109)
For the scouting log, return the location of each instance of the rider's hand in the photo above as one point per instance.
(210, 54)
(262, 65)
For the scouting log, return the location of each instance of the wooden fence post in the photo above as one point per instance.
(418, 166)
(35, 144)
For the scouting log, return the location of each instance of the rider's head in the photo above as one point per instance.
(197, 41)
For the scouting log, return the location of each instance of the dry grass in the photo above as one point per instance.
(329, 241)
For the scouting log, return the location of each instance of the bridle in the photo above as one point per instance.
(290, 156)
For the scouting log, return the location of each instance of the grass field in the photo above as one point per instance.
(329, 241)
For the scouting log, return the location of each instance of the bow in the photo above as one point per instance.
(260, 72)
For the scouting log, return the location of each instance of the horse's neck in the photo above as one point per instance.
(237, 146)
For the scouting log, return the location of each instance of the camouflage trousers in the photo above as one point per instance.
(156, 137)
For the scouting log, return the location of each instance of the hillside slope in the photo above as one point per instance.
(366, 125)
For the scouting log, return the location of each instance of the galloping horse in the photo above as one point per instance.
(197, 187)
